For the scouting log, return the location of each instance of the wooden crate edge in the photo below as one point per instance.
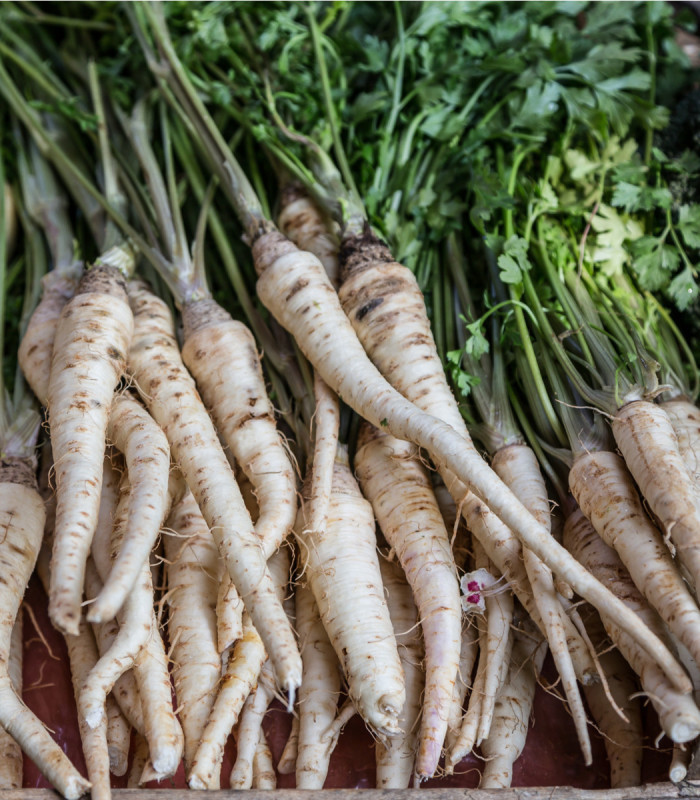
(652, 791)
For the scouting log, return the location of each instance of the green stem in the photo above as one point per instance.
(563, 297)
(652, 56)
(381, 174)
(241, 193)
(521, 324)
(65, 166)
(328, 101)
(437, 320)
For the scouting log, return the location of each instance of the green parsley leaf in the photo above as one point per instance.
(689, 224)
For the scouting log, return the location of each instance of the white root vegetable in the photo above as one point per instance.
(678, 714)
(318, 694)
(623, 738)
(296, 290)
(241, 675)
(684, 417)
(89, 357)
(137, 644)
(467, 658)
(118, 735)
(135, 619)
(36, 348)
(398, 486)
(336, 563)
(396, 756)
(468, 732)
(512, 713)
(229, 612)
(250, 729)
(518, 468)
(139, 761)
(83, 655)
(10, 751)
(134, 433)
(496, 645)
(192, 566)
(22, 517)
(645, 437)
(288, 760)
(124, 690)
(264, 777)
(302, 222)
(222, 356)
(604, 490)
(106, 748)
(162, 729)
(680, 761)
(172, 399)
(327, 423)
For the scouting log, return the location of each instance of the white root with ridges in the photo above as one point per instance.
(398, 486)
(192, 566)
(511, 718)
(318, 694)
(678, 714)
(684, 417)
(396, 756)
(622, 737)
(172, 399)
(336, 563)
(250, 729)
(89, 357)
(606, 494)
(302, 222)
(22, 517)
(222, 356)
(124, 690)
(504, 549)
(10, 751)
(518, 468)
(648, 443)
(36, 348)
(497, 641)
(135, 619)
(264, 777)
(83, 655)
(132, 430)
(244, 664)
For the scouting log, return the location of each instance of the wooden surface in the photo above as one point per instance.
(651, 791)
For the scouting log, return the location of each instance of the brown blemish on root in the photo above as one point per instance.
(268, 248)
(359, 252)
(290, 193)
(103, 279)
(18, 470)
(202, 314)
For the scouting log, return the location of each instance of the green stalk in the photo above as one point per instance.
(380, 175)
(521, 325)
(330, 107)
(64, 165)
(437, 318)
(652, 58)
(563, 298)
(240, 192)
(274, 346)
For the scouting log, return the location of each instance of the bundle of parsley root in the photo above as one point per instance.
(366, 340)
